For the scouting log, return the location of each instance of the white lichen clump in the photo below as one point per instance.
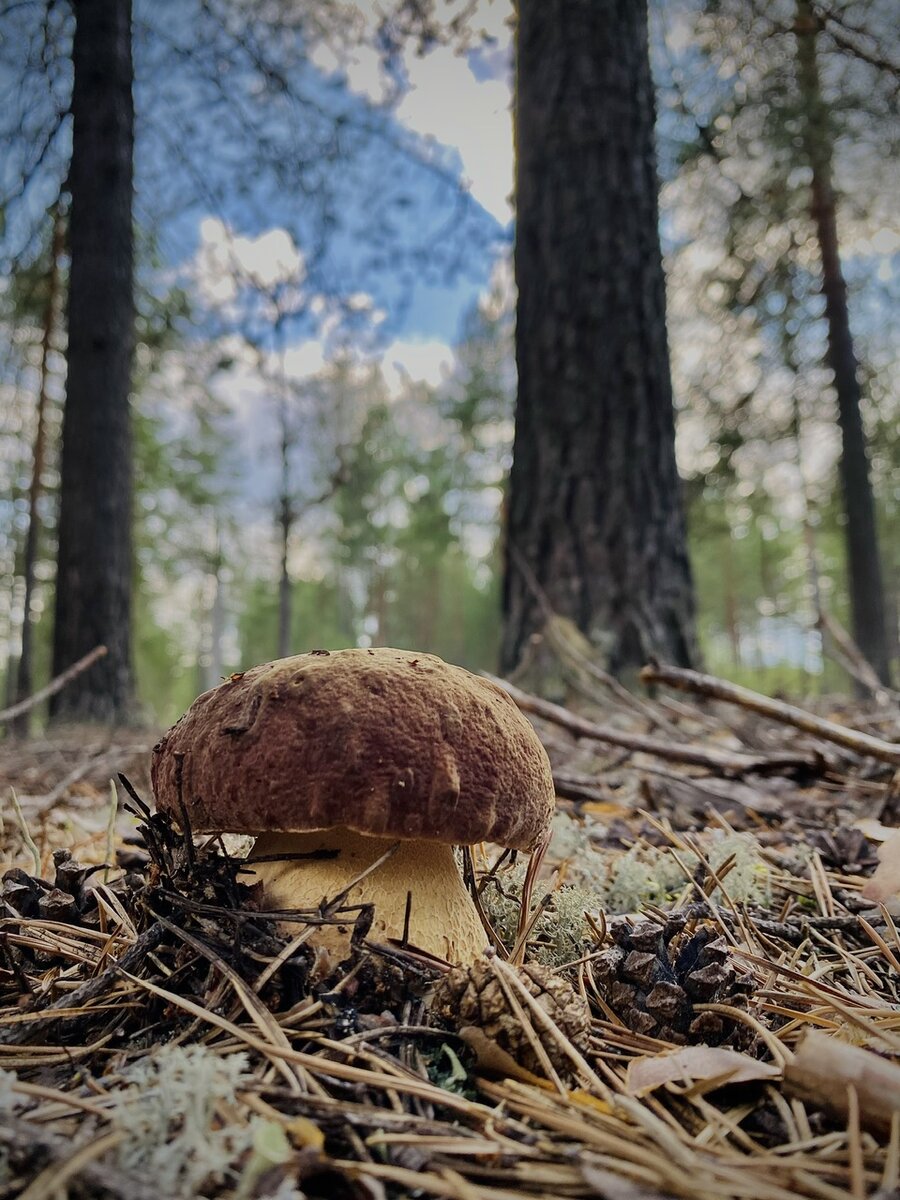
(615, 882)
(173, 1111)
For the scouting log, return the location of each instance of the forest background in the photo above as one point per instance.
(324, 377)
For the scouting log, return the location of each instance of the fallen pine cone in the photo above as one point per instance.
(654, 974)
(474, 996)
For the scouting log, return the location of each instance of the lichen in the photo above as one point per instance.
(169, 1112)
(616, 882)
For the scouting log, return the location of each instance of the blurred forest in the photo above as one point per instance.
(323, 382)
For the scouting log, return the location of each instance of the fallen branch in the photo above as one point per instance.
(729, 762)
(54, 686)
(777, 710)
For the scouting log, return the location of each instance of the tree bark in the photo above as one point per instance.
(24, 673)
(867, 605)
(594, 511)
(94, 564)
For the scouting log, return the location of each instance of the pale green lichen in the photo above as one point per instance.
(169, 1112)
(616, 882)
(10, 1101)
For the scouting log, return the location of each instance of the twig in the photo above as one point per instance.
(852, 658)
(23, 829)
(731, 762)
(787, 714)
(54, 686)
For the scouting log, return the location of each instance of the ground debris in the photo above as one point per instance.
(137, 975)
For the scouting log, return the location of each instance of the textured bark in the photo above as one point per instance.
(867, 603)
(94, 565)
(594, 508)
(25, 666)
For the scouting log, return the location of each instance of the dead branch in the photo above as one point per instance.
(852, 659)
(54, 686)
(777, 710)
(726, 761)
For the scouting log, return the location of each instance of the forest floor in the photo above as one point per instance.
(710, 1005)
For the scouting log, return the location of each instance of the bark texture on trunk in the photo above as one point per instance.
(594, 508)
(94, 565)
(867, 604)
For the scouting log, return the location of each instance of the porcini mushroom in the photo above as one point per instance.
(352, 752)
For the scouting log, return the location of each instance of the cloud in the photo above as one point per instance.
(226, 261)
(407, 361)
(462, 101)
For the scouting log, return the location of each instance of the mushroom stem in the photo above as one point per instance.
(442, 918)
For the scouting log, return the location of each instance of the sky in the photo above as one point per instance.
(455, 107)
(245, 265)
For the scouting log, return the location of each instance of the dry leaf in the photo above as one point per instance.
(873, 830)
(695, 1064)
(886, 880)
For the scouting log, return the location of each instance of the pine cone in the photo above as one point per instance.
(654, 974)
(473, 996)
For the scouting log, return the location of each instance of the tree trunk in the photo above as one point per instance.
(863, 559)
(94, 565)
(595, 519)
(24, 674)
(285, 523)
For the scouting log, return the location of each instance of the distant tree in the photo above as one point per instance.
(94, 564)
(49, 326)
(863, 556)
(595, 516)
(781, 116)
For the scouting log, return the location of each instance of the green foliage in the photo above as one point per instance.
(318, 619)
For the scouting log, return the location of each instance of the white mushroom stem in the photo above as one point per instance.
(442, 918)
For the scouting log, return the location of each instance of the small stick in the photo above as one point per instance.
(54, 686)
(716, 760)
(26, 835)
(787, 714)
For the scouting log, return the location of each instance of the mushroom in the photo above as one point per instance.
(345, 758)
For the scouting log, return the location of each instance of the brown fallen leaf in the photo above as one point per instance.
(695, 1064)
(886, 880)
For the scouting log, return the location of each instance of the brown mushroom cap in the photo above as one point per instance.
(386, 742)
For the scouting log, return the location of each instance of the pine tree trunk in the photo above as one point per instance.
(24, 672)
(94, 564)
(594, 518)
(285, 524)
(864, 573)
(284, 584)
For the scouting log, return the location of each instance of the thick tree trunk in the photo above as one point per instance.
(94, 565)
(26, 665)
(867, 604)
(595, 518)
